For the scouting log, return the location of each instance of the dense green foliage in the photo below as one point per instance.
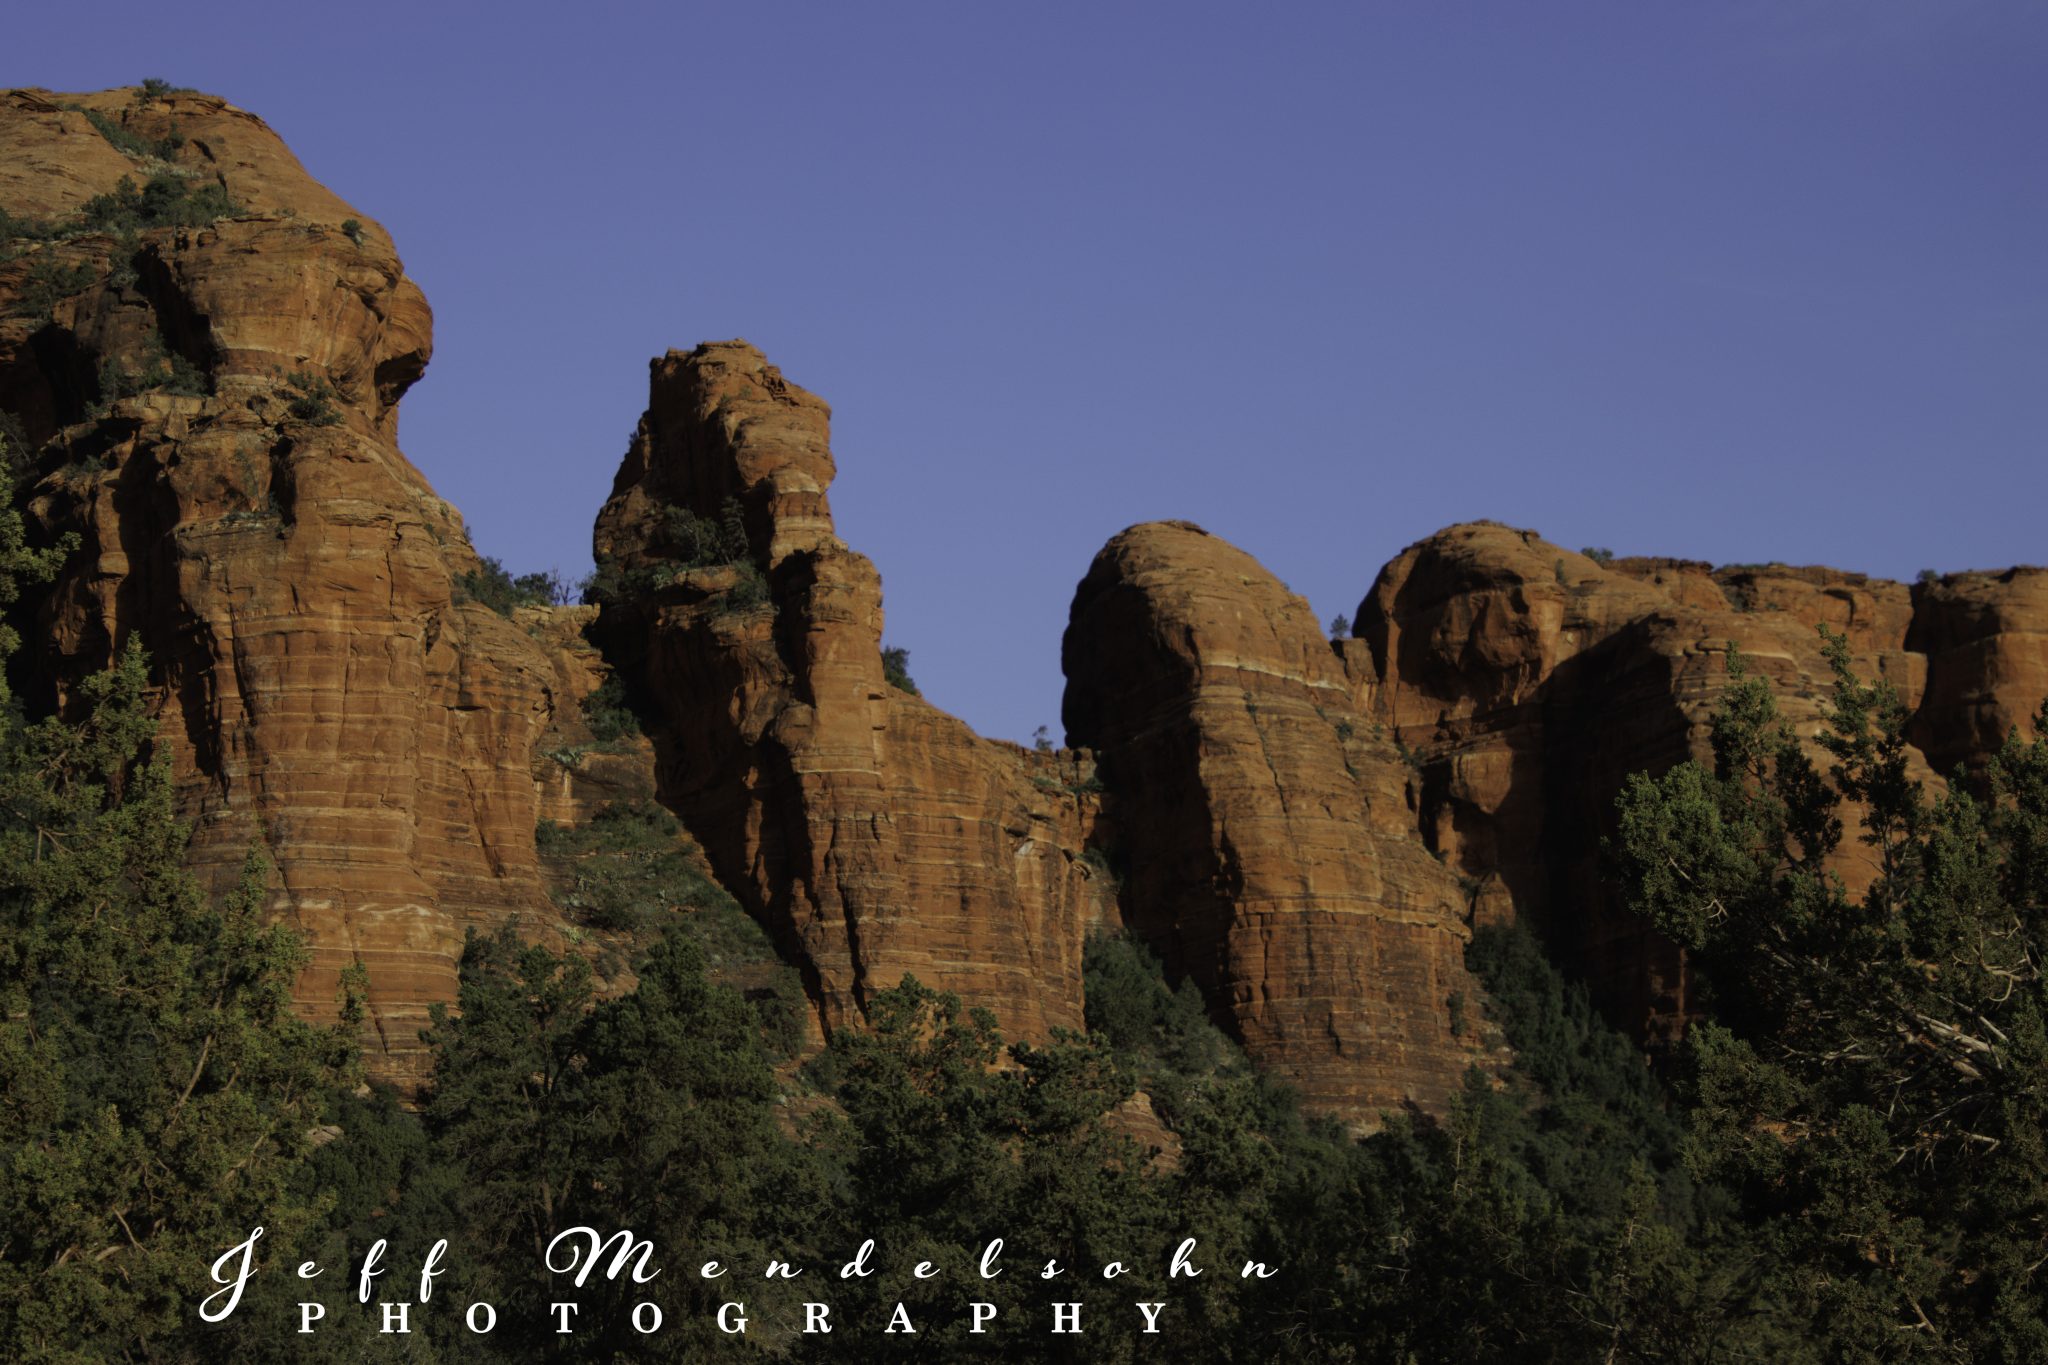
(896, 669)
(1873, 1089)
(628, 872)
(157, 1093)
(493, 585)
(166, 199)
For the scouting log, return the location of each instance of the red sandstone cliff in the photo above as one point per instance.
(1530, 680)
(874, 834)
(1266, 824)
(211, 401)
(324, 690)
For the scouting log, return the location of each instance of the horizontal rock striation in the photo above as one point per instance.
(211, 405)
(1530, 680)
(1266, 827)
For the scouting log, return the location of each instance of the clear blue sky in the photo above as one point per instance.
(1736, 281)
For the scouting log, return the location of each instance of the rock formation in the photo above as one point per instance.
(214, 404)
(875, 835)
(1266, 824)
(1530, 680)
(1985, 636)
(202, 352)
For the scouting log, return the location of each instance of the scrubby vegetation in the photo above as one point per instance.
(691, 542)
(50, 281)
(630, 870)
(126, 141)
(310, 399)
(155, 89)
(163, 370)
(166, 199)
(1599, 554)
(700, 542)
(896, 669)
(492, 585)
(15, 231)
(607, 712)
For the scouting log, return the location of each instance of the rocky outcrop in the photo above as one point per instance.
(212, 398)
(203, 351)
(578, 771)
(1529, 681)
(873, 834)
(1985, 636)
(1267, 835)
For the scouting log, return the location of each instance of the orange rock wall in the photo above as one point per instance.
(1266, 829)
(324, 691)
(874, 834)
(1530, 680)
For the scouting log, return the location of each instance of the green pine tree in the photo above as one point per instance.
(158, 1096)
(1873, 1086)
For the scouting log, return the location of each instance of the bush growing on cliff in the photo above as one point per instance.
(702, 542)
(48, 283)
(164, 370)
(15, 230)
(494, 586)
(166, 199)
(896, 669)
(310, 399)
(121, 139)
(608, 713)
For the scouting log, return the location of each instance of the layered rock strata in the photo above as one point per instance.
(1267, 834)
(1529, 680)
(212, 404)
(875, 835)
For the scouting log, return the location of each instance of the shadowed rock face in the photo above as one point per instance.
(1531, 680)
(874, 834)
(1266, 826)
(1985, 636)
(324, 691)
